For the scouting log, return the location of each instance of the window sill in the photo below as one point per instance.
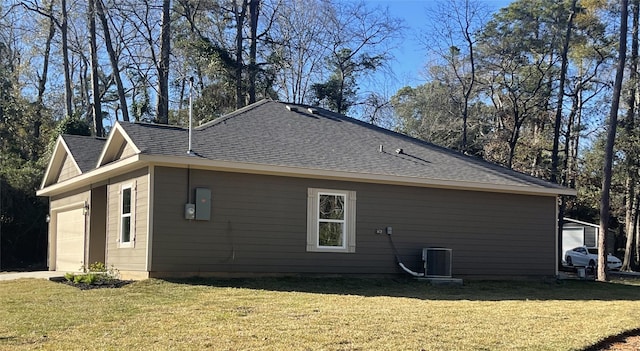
(331, 249)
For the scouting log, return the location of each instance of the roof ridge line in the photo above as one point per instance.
(64, 135)
(233, 114)
(152, 124)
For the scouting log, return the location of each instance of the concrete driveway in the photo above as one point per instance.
(36, 275)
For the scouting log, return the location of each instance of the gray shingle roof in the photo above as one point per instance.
(85, 150)
(267, 133)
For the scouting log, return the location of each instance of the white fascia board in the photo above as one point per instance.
(55, 159)
(117, 129)
(229, 166)
(51, 161)
(581, 222)
(94, 176)
(140, 160)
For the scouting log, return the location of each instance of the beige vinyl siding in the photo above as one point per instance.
(72, 197)
(132, 258)
(125, 151)
(258, 225)
(67, 170)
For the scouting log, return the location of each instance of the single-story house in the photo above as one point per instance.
(288, 189)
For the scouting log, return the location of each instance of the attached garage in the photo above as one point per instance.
(70, 232)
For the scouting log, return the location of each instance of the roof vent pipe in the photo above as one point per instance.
(381, 148)
(291, 108)
(399, 151)
(189, 152)
(312, 111)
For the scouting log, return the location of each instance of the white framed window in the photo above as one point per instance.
(331, 220)
(126, 211)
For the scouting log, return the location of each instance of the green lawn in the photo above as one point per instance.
(315, 314)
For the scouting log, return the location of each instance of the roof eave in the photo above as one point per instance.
(239, 167)
(581, 222)
(94, 176)
(140, 160)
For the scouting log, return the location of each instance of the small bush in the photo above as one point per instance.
(95, 273)
(98, 267)
(89, 278)
(69, 276)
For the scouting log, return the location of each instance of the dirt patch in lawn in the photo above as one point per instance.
(627, 341)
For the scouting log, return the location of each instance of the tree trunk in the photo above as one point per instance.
(64, 29)
(114, 61)
(630, 221)
(163, 66)
(183, 85)
(83, 73)
(629, 128)
(254, 7)
(563, 73)
(513, 139)
(42, 82)
(575, 143)
(469, 89)
(95, 87)
(340, 95)
(611, 136)
(569, 141)
(637, 236)
(240, 15)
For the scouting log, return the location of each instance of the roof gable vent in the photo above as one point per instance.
(291, 108)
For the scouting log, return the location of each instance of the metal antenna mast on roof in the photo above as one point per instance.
(189, 152)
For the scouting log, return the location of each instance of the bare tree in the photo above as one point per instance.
(453, 39)
(555, 160)
(95, 86)
(64, 29)
(147, 57)
(239, 10)
(163, 65)
(42, 79)
(298, 43)
(360, 42)
(63, 24)
(254, 7)
(113, 59)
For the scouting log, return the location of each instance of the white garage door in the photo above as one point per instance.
(70, 240)
(571, 237)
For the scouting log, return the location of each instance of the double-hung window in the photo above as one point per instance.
(331, 216)
(126, 218)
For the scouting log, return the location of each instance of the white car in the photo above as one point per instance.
(584, 257)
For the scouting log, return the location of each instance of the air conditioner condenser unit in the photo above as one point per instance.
(437, 262)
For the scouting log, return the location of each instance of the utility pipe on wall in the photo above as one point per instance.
(190, 112)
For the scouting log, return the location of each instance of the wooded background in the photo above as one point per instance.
(530, 86)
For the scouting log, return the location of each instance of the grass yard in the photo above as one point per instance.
(315, 314)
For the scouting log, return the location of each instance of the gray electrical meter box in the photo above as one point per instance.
(203, 204)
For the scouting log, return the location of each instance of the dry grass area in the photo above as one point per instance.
(315, 314)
